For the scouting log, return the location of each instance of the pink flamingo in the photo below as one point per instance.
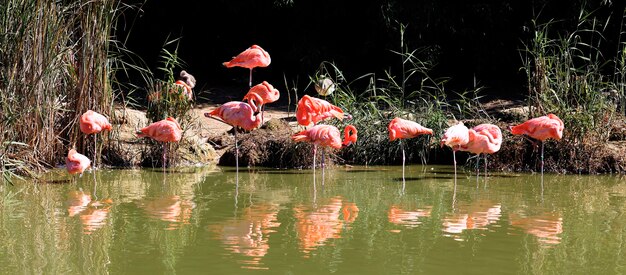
(251, 58)
(540, 128)
(237, 114)
(326, 136)
(312, 110)
(186, 84)
(483, 139)
(93, 123)
(455, 137)
(261, 94)
(401, 128)
(76, 163)
(166, 130)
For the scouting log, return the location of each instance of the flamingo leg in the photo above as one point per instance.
(542, 158)
(485, 165)
(236, 151)
(314, 156)
(262, 114)
(454, 160)
(164, 160)
(323, 164)
(403, 163)
(95, 150)
(250, 82)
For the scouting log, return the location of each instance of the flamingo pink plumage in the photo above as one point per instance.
(483, 139)
(76, 163)
(237, 114)
(261, 94)
(540, 128)
(166, 130)
(455, 137)
(326, 136)
(251, 58)
(312, 110)
(401, 129)
(93, 123)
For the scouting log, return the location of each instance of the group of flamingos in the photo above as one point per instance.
(482, 139)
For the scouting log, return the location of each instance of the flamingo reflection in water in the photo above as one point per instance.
(173, 209)
(316, 225)
(476, 215)
(546, 226)
(93, 213)
(408, 218)
(249, 234)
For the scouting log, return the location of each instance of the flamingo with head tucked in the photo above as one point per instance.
(312, 110)
(541, 128)
(455, 137)
(251, 58)
(94, 123)
(76, 163)
(237, 114)
(166, 130)
(326, 136)
(261, 94)
(483, 139)
(401, 129)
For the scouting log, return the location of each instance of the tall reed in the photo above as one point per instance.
(54, 65)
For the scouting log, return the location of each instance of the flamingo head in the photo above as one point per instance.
(350, 135)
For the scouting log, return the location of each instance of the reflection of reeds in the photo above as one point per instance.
(54, 66)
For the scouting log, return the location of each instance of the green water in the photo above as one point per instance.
(358, 221)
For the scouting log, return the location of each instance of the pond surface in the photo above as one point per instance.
(360, 221)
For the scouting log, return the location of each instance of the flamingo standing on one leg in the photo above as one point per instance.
(76, 163)
(261, 94)
(251, 58)
(401, 129)
(483, 139)
(326, 136)
(540, 128)
(166, 130)
(455, 137)
(237, 114)
(93, 123)
(312, 110)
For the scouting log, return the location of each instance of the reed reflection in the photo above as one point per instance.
(317, 224)
(475, 215)
(546, 226)
(249, 233)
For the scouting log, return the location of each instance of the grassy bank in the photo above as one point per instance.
(56, 62)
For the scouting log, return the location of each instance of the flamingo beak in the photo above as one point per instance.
(207, 114)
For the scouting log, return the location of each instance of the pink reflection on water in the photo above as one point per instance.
(249, 234)
(476, 215)
(173, 209)
(93, 214)
(316, 225)
(546, 226)
(398, 215)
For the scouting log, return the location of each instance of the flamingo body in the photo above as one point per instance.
(93, 123)
(401, 128)
(261, 94)
(312, 110)
(456, 136)
(185, 88)
(76, 163)
(327, 136)
(237, 114)
(540, 128)
(251, 58)
(167, 130)
(483, 139)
